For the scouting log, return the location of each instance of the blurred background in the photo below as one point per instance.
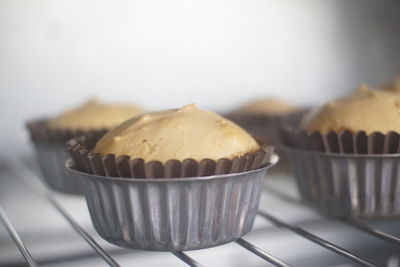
(158, 54)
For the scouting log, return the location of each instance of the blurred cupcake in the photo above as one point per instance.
(93, 115)
(171, 180)
(268, 106)
(394, 86)
(345, 155)
(49, 137)
(263, 118)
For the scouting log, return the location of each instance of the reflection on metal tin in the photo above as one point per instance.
(51, 158)
(173, 214)
(348, 185)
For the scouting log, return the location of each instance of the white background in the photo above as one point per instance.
(166, 53)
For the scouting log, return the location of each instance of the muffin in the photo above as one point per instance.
(94, 115)
(49, 136)
(345, 155)
(268, 106)
(202, 134)
(172, 180)
(394, 86)
(364, 110)
(263, 118)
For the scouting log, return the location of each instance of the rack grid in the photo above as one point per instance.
(22, 170)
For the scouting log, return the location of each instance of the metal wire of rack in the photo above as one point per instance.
(39, 188)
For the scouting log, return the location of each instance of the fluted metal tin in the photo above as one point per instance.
(345, 185)
(51, 153)
(170, 214)
(51, 158)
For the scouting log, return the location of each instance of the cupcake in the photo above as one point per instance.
(345, 155)
(171, 180)
(394, 86)
(263, 118)
(93, 115)
(268, 106)
(49, 136)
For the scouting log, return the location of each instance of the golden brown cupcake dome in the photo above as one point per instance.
(365, 110)
(187, 132)
(271, 106)
(94, 114)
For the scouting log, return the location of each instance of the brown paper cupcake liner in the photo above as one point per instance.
(40, 131)
(124, 166)
(343, 142)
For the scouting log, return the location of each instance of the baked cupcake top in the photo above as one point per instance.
(179, 134)
(268, 106)
(364, 110)
(94, 115)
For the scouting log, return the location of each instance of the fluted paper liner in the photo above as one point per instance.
(344, 142)
(123, 166)
(40, 131)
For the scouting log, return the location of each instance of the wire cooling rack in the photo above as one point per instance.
(24, 172)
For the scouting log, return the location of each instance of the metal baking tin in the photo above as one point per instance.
(173, 214)
(51, 158)
(51, 154)
(348, 185)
